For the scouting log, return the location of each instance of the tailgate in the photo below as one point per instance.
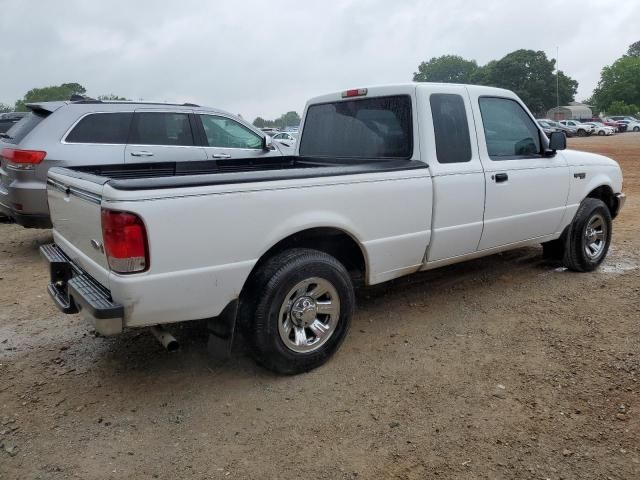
(75, 208)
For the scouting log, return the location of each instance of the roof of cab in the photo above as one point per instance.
(407, 88)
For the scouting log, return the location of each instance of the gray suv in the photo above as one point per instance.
(93, 132)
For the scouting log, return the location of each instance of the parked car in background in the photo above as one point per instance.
(602, 129)
(9, 119)
(94, 132)
(632, 125)
(606, 121)
(582, 129)
(547, 128)
(621, 126)
(286, 138)
(386, 181)
(270, 131)
(568, 131)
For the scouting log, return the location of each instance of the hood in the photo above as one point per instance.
(575, 157)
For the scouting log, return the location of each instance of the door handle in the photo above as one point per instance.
(142, 153)
(500, 177)
(221, 155)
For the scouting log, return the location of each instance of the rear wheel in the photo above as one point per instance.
(582, 133)
(589, 236)
(297, 310)
(636, 129)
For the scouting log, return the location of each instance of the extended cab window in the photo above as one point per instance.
(226, 133)
(101, 128)
(453, 144)
(363, 128)
(509, 131)
(161, 128)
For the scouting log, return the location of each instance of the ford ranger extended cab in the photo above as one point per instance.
(386, 181)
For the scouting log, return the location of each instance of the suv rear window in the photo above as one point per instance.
(21, 129)
(378, 128)
(102, 128)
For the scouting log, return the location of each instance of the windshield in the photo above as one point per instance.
(378, 128)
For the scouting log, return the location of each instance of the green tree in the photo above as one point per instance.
(111, 96)
(634, 49)
(259, 122)
(289, 119)
(621, 108)
(5, 108)
(619, 82)
(447, 68)
(49, 94)
(530, 74)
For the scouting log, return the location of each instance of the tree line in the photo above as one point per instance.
(289, 119)
(51, 94)
(533, 77)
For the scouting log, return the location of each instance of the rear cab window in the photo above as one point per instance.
(24, 126)
(362, 128)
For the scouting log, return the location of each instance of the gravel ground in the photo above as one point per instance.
(506, 367)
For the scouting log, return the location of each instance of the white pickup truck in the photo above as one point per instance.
(386, 181)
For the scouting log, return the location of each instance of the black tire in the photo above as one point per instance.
(600, 133)
(636, 129)
(265, 295)
(575, 255)
(582, 133)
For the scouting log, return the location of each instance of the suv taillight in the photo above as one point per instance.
(125, 241)
(15, 155)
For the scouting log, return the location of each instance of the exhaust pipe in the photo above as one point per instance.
(167, 340)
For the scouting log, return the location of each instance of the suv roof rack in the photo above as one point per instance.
(82, 100)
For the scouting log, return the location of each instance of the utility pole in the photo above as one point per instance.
(558, 80)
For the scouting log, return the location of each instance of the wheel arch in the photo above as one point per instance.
(607, 196)
(334, 241)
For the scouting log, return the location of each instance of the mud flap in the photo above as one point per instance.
(221, 332)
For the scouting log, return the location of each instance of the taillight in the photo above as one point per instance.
(356, 92)
(125, 241)
(15, 155)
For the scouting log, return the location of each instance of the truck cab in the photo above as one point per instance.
(385, 181)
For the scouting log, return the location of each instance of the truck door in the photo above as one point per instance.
(162, 136)
(458, 177)
(526, 191)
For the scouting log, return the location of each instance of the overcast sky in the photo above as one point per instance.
(267, 57)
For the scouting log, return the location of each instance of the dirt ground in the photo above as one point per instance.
(504, 368)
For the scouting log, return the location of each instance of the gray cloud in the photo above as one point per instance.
(264, 58)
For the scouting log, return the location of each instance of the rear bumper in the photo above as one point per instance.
(74, 291)
(25, 202)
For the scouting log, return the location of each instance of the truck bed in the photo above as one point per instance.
(150, 176)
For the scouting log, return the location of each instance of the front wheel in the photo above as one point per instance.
(297, 310)
(600, 133)
(589, 236)
(582, 133)
(636, 129)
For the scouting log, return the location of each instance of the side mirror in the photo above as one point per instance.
(267, 143)
(557, 141)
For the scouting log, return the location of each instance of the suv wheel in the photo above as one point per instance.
(297, 310)
(589, 236)
(582, 132)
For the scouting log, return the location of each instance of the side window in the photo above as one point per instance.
(509, 131)
(453, 144)
(161, 128)
(226, 133)
(101, 128)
